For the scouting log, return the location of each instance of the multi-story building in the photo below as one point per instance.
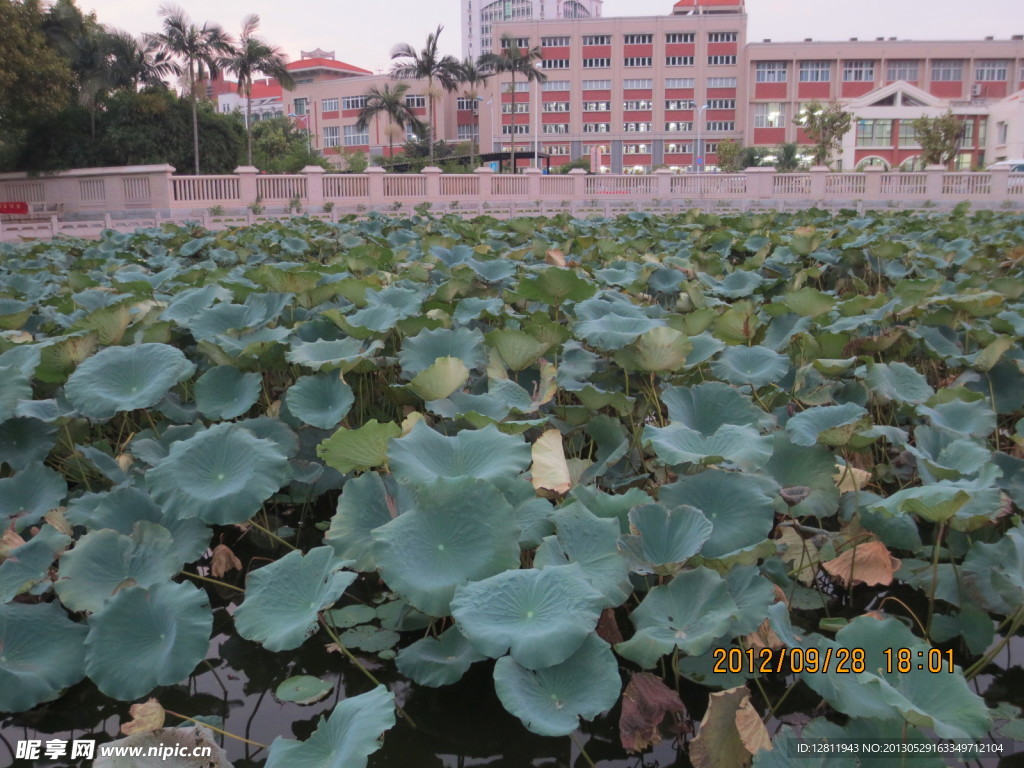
(479, 18)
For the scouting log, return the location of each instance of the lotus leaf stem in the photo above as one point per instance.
(270, 534)
(582, 750)
(209, 580)
(980, 664)
(215, 728)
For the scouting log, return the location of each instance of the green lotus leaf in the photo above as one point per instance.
(362, 506)
(399, 616)
(962, 506)
(441, 379)
(994, 572)
(303, 689)
(419, 352)
(282, 599)
(29, 495)
(225, 392)
(25, 441)
(503, 397)
(827, 424)
(735, 285)
(14, 386)
(344, 740)
(611, 325)
(384, 308)
(658, 350)
(189, 303)
(807, 467)
(486, 454)
(551, 701)
(622, 273)
(41, 652)
(555, 286)
(125, 378)
(437, 661)
(143, 638)
(898, 382)
(321, 401)
(740, 445)
(753, 595)
(739, 324)
(740, 512)
(808, 302)
(471, 307)
(351, 615)
(344, 354)
(615, 506)
(689, 613)
(517, 349)
(59, 357)
(709, 406)
(665, 538)
(590, 541)
(14, 313)
(576, 366)
(458, 530)
(368, 638)
(221, 475)
(348, 450)
(971, 419)
(27, 565)
(103, 561)
(757, 366)
(540, 616)
(169, 749)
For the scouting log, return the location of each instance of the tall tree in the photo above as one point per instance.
(198, 52)
(35, 79)
(472, 76)
(389, 103)
(939, 138)
(515, 60)
(825, 126)
(427, 64)
(135, 63)
(252, 54)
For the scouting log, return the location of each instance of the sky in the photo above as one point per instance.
(363, 32)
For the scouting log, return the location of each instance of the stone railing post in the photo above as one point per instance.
(663, 183)
(873, 182)
(818, 175)
(760, 182)
(161, 188)
(485, 173)
(1000, 184)
(314, 185)
(532, 182)
(375, 178)
(579, 186)
(933, 181)
(433, 174)
(247, 191)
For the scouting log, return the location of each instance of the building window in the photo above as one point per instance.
(679, 37)
(721, 125)
(1002, 131)
(637, 104)
(556, 149)
(332, 135)
(555, 85)
(518, 128)
(771, 114)
(678, 127)
(554, 42)
(636, 149)
(300, 107)
(721, 82)
(874, 133)
(679, 61)
(901, 70)
(637, 39)
(990, 71)
(638, 61)
(597, 85)
(464, 104)
(721, 37)
(677, 149)
(329, 105)
(710, 147)
(468, 132)
(520, 108)
(719, 61)
(858, 71)
(721, 103)
(815, 71)
(555, 106)
(637, 85)
(947, 70)
(908, 135)
(770, 72)
(518, 42)
(415, 101)
(304, 81)
(679, 104)
(356, 138)
(597, 106)
(554, 64)
(596, 63)
(636, 127)
(555, 128)
(967, 136)
(597, 127)
(597, 39)
(521, 87)
(679, 82)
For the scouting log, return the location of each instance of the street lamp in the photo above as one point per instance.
(698, 159)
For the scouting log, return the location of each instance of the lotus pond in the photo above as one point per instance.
(634, 491)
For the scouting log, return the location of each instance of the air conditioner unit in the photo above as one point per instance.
(977, 89)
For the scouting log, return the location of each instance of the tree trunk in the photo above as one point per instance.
(430, 119)
(195, 116)
(248, 121)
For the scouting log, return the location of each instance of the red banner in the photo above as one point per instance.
(14, 208)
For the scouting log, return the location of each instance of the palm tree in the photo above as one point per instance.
(514, 59)
(389, 102)
(199, 51)
(134, 63)
(428, 65)
(251, 55)
(472, 76)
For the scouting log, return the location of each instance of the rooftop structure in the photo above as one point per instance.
(479, 21)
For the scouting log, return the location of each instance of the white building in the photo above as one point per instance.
(480, 16)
